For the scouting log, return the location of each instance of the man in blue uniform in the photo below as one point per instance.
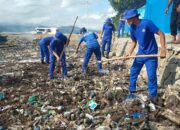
(106, 36)
(56, 47)
(92, 46)
(121, 27)
(44, 50)
(142, 32)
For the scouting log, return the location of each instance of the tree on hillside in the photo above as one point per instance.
(121, 5)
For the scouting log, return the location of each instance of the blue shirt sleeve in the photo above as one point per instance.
(65, 39)
(81, 39)
(95, 35)
(52, 45)
(152, 27)
(103, 27)
(132, 35)
(49, 39)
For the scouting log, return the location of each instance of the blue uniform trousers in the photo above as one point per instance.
(44, 52)
(151, 68)
(121, 31)
(88, 54)
(108, 48)
(52, 65)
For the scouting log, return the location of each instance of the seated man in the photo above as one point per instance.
(56, 48)
(92, 47)
(44, 51)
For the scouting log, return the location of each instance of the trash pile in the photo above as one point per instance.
(29, 100)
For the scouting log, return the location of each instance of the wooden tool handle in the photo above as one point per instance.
(136, 56)
(69, 37)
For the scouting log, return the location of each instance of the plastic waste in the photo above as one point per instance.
(5, 108)
(32, 99)
(127, 119)
(107, 120)
(36, 128)
(2, 95)
(152, 107)
(52, 112)
(92, 104)
(89, 116)
(62, 78)
(131, 96)
(136, 115)
(106, 72)
(2, 128)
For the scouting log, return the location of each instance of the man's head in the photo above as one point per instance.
(83, 30)
(57, 30)
(58, 35)
(132, 16)
(108, 20)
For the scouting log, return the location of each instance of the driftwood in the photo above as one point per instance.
(171, 116)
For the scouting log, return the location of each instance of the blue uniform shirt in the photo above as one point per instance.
(57, 44)
(143, 33)
(46, 41)
(108, 28)
(90, 38)
(121, 22)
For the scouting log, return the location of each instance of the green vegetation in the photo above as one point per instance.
(121, 5)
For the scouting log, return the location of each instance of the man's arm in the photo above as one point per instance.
(113, 36)
(178, 8)
(56, 55)
(78, 47)
(95, 35)
(80, 41)
(131, 49)
(101, 34)
(114, 33)
(163, 46)
(168, 4)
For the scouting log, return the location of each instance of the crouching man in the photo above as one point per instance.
(56, 48)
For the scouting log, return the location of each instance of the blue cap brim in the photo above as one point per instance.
(129, 17)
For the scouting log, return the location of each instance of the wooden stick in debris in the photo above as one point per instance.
(68, 38)
(172, 116)
(76, 55)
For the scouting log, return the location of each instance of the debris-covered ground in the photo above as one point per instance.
(29, 100)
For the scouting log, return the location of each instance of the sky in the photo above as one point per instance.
(56, 13)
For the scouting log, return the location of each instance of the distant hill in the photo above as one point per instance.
(29, 28)
(16, 28)
(67, 29)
